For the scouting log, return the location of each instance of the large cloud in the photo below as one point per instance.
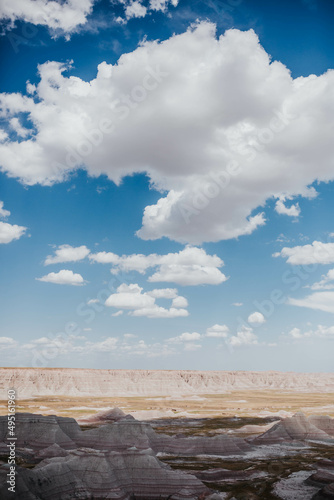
(212, 121)
(64, 16)
(322, 301)
(189, 267)
(317, 253)
(143, 304)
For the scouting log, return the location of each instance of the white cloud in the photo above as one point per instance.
(67, 253)
(322, 301)
(316, 253)
(237, 304)
(10, 232)
(217, 331)
(3, 213)
(107, 345)
(3, 135)
(326, 283)
(158, 5)
(322, 332)
(160, 312)
(281, 208)
(104, 258)
(93, 301)
(15, 124)
(130, 297)
(180, 302)
(256, 318)
(118, 313)
(58, 16)
(188, 339)
(163, 293)
(296, 333)
(143, 304)
(244, 337)
(190, 267)
(7, 343)
(243, 124)
(162, 5)
(135, 9)
(63, 277)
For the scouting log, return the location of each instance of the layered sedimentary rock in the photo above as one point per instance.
(120, 460)
(87, 474)
(301, 428)
(324, 477)
(81, 382)
(115, 460)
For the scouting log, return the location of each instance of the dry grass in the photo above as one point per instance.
(239, 403)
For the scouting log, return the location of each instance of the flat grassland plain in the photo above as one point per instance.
(157, 394)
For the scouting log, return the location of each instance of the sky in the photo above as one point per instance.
(166, 184)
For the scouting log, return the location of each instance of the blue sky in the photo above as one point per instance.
(167, 185)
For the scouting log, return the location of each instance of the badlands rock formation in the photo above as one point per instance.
(301, 428)
(119, 460)
(80, 382)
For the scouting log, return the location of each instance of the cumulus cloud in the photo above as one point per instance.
(322, 332)
(58, 16)
(322, 301)
(143, 304)
(217, 331)
(190, 267)
(188, 340)
(163, 293)
(326, 283)
(292, 211)
(3, 213)
(67, 253)
(245, 336)
(9, 232)
(135, 9)
(316, 253)
(256, 318)
(63, 277)
(162, 5)
(180, 302)
(160, 312)
(130, 297)
(243, 124)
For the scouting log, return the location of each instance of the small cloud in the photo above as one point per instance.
(67, 253)
(256, 318)
(244, 337)
(217, 331)
(237, 304)
(282, 209)
(117, 313)
(184, 337)
(63, 277)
